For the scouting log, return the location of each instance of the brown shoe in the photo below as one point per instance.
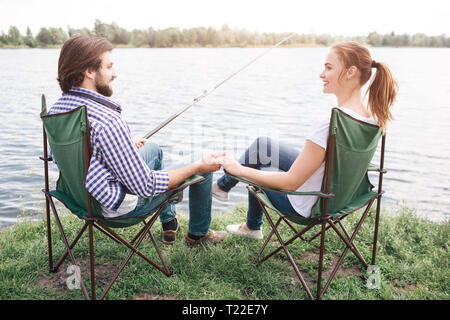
(170, 229)
(211, 237)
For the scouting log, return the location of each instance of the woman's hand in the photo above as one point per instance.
(139, 142)
(231, 165)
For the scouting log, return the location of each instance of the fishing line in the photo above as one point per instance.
(207, 92)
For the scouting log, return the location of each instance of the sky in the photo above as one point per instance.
(335, 17)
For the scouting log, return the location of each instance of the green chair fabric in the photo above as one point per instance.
(65, 137)
(355, 143)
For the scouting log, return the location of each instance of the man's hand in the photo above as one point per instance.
(139, 142)
(207, 164)
(211, 162)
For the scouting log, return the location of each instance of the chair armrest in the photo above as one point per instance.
(374, 167)
(186, 183)
(296, 193)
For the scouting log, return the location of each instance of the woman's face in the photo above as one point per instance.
(330, 75)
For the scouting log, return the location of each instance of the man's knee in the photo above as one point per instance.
(208, 177)
(152, 149)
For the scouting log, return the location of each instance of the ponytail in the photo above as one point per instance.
(382, 92)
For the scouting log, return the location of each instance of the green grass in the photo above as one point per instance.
(413, 257)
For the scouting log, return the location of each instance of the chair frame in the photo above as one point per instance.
(92, 222)
(323, 221)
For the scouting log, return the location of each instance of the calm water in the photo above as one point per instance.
(279, 96)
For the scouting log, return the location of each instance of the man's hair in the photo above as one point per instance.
(79, 53)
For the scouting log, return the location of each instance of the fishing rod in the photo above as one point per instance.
(207, 92)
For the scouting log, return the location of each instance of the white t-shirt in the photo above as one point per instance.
(128, 204)
(318, 135)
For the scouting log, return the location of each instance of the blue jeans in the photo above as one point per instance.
(200, 195)
(264, 152)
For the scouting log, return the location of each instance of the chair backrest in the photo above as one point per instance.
(68, 136)
(351, 146)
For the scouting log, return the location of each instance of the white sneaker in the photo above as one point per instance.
(238, 230)
(218, 193)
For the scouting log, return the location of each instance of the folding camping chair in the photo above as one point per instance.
(68, 136)
(345, 189)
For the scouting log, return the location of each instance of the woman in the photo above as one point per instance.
(347, 68)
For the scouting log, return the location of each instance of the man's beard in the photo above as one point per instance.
(104, 89)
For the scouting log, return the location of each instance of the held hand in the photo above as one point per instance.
(139, 142)
(231, 165)
(211, 162)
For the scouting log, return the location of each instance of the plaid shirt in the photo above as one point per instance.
(115, 164)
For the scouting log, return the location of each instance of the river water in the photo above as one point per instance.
(279, 96)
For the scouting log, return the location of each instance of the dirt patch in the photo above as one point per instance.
(311, 280)
(59, 280)
(152, 296)
(403, 286)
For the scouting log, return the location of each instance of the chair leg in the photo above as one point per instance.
(322, 249)
(375, 236)
(328, 227)
(49, 236)
(266, 242)
(91, 259)
(66, 243)
(341, 258)
(134, 250)
(74, 242)
(298, 235)
(349, 244)
(288, 254)
(139, 233)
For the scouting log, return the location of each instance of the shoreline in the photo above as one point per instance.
(389, 212)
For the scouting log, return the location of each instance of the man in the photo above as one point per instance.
(126, 175)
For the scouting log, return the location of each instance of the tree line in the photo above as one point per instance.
(206, 37)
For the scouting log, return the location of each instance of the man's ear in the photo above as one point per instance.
(89, 73)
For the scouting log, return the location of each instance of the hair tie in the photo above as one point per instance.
(374, 64)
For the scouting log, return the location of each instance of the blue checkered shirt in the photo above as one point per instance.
(115, 164)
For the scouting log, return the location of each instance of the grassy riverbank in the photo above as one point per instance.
(413, 257)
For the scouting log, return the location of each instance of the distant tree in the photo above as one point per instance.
(374, 39)
(29, 40)
(51, 36)
(419, 40)
(44, 37)
(14, 37)
(189, 36)
(104, 30)
(201, 36)
(82, 31)
(138, 38)
(324, 39)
